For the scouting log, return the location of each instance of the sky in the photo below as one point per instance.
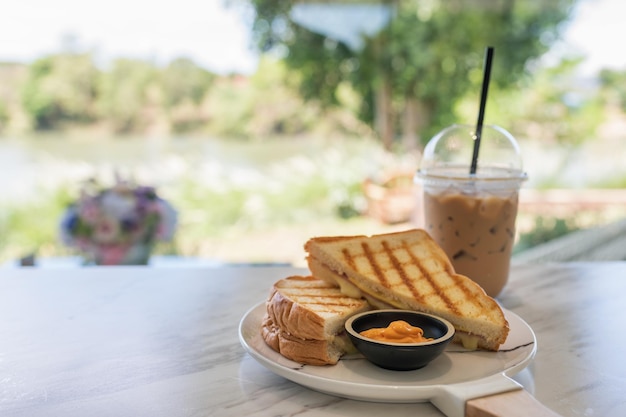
(597, 31)
(213, 36)
(218, 38)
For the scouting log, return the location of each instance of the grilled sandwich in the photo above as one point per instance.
(305, 320)
(408, 270)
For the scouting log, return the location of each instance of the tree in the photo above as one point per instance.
(183, 80)
(268, 104)
(185, 86)
(61, 88)
(130, 94)
(411, 73)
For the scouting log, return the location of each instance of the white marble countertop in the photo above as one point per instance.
(133, 341)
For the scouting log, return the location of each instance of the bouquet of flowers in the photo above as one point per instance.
(117, 225)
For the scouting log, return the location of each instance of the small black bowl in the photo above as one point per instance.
(399, 356)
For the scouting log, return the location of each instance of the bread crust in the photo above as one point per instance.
(308, 352)
(269, 332)
(292, 318)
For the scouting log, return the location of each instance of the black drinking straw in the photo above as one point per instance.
(481, 110)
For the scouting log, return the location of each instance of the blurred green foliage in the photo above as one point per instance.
(410, 77)
(131, 96)
(414, 71)
(60, 88)
(128, 93)
(552, 107)
(431, 57)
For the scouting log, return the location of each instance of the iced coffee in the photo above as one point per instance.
(471, 215)
(476, 232)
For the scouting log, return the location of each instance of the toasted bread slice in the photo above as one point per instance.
(319, 270)
(305, 319)
(409, 270)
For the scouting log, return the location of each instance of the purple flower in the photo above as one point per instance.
(118, 216)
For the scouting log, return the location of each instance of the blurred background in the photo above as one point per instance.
(266, 122)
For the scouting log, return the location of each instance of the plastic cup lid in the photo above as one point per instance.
(449, 154)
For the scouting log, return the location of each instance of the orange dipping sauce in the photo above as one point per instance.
(398, 331)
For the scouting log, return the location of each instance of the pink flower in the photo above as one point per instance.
(106, 230)
(89, 211)
(111, 254)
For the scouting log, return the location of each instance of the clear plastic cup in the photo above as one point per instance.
(472, 216)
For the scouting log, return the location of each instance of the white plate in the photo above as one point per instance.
(458, 373)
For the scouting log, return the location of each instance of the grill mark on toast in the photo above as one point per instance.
(428, 277)
(342, 302)
(337, 299)
(322, 286)
(402, 271)
(328, 307)
(298, 288)
(317, 285)
(299, 295)
(371, 257)
(348, 257)
(459, 282)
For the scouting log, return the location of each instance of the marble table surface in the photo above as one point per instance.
(142, 341)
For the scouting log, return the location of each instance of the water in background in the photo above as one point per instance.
(45, 163)
(35, 165)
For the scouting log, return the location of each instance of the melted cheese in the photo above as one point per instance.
(382, 300)
(469, 341)
(342, 342)
(349, 289)
(380, 305)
